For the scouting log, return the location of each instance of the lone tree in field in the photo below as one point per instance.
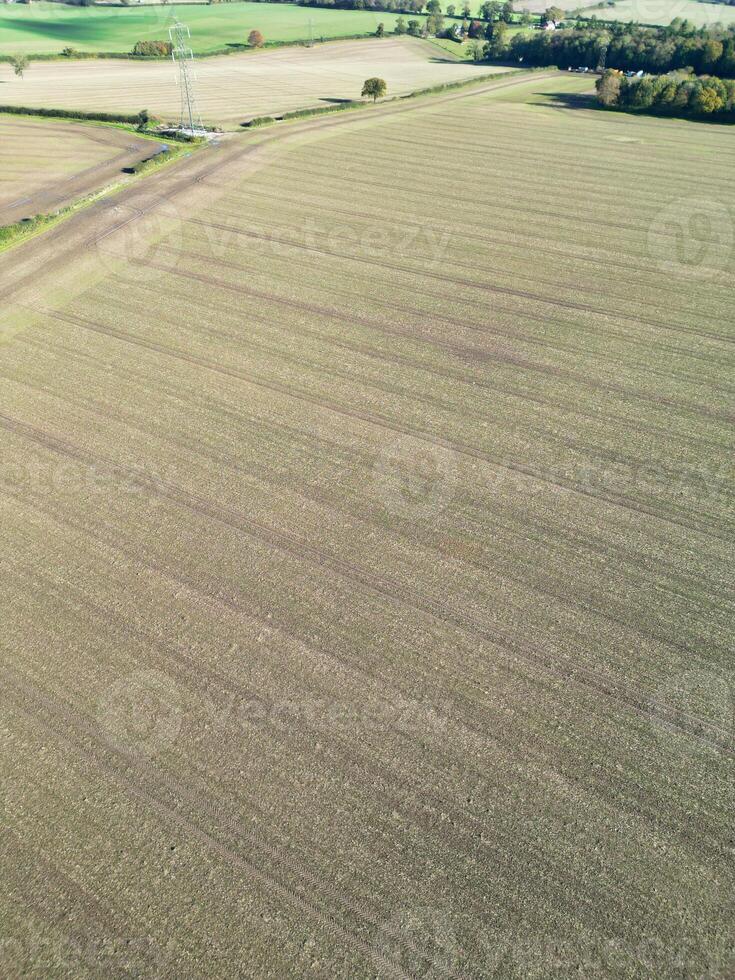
(256, 39)
(19, 63)
(375, 87)
(380, 31)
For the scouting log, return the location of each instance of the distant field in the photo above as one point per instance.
(367, 519)
(48, 27)
(664, 11)
(539, 6)
(44, 163)
(644, 11)
(235, 88)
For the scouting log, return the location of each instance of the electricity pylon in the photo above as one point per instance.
(181, 54)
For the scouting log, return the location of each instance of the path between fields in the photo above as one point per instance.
(132, 149)
(57, 249)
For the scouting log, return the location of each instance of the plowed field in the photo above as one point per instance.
(367, 528)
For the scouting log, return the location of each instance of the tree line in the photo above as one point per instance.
(389, 6)
(490, 10)
(673, 94)
(629, 48)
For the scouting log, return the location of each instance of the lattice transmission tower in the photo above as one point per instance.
(181, 54)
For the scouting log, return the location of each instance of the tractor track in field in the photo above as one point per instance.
(461, 350)
(589, 219)
(155, 788)
(495, 242)
(146, 781)
(336, 314)
(471, 383)
(459, 377)
(497, 355)
(471, 721)
(588, 544)
(389, 588)
(385, 422)
(322, 499)
(501, 358)
(474, 284)
(428, 811)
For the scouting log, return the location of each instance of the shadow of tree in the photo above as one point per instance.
(571, 100)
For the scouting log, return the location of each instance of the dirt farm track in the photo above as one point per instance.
(367, 518)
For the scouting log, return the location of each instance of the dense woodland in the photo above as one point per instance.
(674, 94)
(630, 48)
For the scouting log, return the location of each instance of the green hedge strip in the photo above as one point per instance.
(117, 117)
(342, 106)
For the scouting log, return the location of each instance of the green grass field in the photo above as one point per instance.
(47, 28)
(367, 517)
